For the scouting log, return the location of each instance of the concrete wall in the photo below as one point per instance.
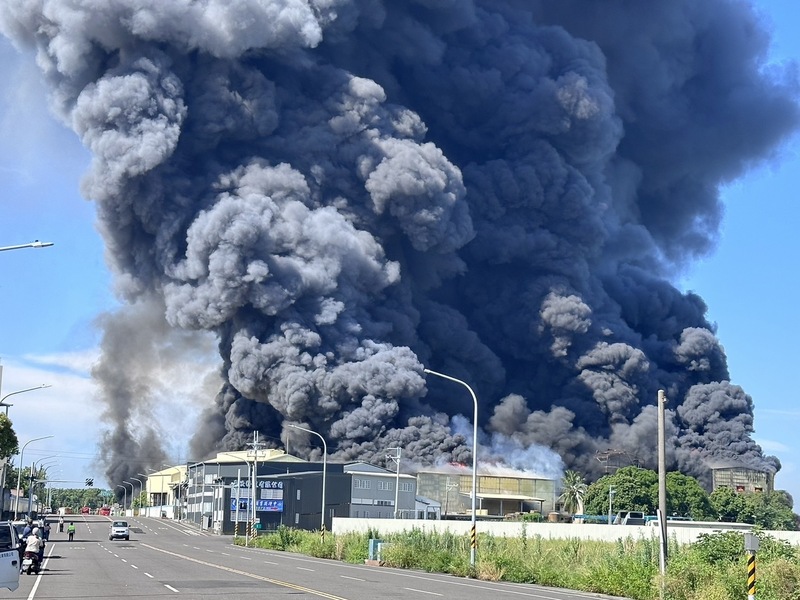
(609, 533)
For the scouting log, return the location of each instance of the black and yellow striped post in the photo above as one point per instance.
(322, 534)
(473, 539)
(751, 543)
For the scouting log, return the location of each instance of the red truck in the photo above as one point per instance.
(104, 511)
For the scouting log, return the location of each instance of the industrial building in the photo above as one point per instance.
(500, 492)
(740, 478)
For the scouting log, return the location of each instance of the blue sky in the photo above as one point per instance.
(49, 298)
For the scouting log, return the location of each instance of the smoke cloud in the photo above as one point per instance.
(342, 192)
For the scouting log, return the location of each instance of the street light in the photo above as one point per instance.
(131, 503)
(124, 498)
(141, 491)
(33, 244)
(36, 468)
(38, 387)
(19, 472)
(473, 532)
(324, 470)
(611, 492)
(147, 496)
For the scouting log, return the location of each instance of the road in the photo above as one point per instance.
(165, 559)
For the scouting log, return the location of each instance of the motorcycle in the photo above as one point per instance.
(30, 562)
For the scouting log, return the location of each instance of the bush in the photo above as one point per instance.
(714, 568)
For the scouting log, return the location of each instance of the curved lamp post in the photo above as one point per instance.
(33, 244)
(125, 497)
(147, 496)
(324, 471)
(38, 387)
(36, 468)
(141, 491)
(19, 472)
(131, 502)
(473, 533)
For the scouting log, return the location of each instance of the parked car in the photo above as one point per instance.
(119, 530)
(9, 555)
(629, 517)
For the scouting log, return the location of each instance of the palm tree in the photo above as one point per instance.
(573, 491)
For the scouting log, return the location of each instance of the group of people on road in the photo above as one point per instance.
(35, 535)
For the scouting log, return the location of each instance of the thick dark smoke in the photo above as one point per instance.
(345, 191)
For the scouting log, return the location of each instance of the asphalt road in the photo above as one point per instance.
(165, 559)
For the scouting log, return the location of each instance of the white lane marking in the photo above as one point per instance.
(123, 560)
(224, 554)
(422, 591)
(244, 557)
(305, 569)
(134, 566)
(353, 578)
(148, 574)
(169, 587)
(266, 562)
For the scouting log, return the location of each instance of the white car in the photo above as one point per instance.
(119, 530)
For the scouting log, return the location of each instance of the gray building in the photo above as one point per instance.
(374, 491)
(288, 491)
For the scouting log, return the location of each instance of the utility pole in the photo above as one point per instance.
(256, 446)
(662, 480)
(396, 458)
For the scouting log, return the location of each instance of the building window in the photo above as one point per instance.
(362, 484)
(407, 487)
(298, 494)
(386, 486)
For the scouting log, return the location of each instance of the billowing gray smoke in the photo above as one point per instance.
(343, 191)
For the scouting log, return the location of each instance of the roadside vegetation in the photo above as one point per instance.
(713, 568)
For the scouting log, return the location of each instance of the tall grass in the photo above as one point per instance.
(714, 568)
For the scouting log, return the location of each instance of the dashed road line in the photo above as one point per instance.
(169, 587)
(278, 582)
(422, 591)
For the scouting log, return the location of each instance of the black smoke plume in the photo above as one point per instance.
(346, 191)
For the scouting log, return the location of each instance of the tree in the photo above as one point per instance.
(637, 489)
(687, 498)
(633, 490)
(9, 444)
(573, 491)
(728, 505)
(770, 510)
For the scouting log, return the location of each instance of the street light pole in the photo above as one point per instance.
(38, 387)
(3, 469)
(149, 490)
(324, 471)
(19, 472)
(473, 531)
(141, 491)
(33, 244)
(124, 498)
(131, 502)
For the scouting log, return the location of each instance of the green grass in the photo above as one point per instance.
(713, 568)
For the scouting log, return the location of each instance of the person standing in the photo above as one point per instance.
(71, 530)
(61, 524)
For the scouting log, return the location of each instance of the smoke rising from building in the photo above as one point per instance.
(343, 191)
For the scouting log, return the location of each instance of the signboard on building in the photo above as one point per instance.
(261, 505)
